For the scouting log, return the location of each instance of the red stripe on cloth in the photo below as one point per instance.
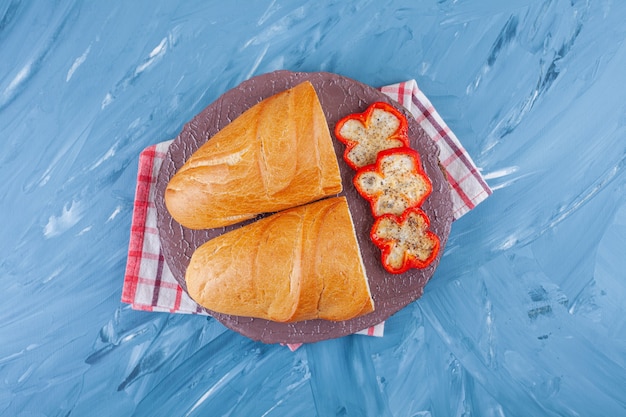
(135, 244)
(370, 331)
(401, 93)
(420, 118)
(145, 203)
(398, 92)
(454, 157)
(130, 283)
(146, 229)
(140, 254)
(146, 178)
(179, 295)
(143, 307)
(152, 230)
(459, 190)
(164, 284)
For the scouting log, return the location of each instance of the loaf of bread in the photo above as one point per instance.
(299, 264)
(276, 155)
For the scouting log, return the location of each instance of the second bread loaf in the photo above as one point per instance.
(299, 264)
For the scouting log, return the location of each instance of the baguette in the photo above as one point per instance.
(299, 264)
(276, 155)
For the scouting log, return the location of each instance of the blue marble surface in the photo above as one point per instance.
(526, 314)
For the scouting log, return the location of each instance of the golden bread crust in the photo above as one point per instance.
(276, 155)
(299, 264)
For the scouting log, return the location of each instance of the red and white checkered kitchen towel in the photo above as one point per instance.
(149, 284)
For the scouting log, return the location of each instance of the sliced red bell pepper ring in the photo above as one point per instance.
(396, 182)
(381, 126)
(405, 241)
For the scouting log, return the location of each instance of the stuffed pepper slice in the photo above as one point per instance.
(394, 183)
(381, 126)
(405, 241)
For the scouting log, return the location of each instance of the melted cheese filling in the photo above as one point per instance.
(371, 139)
(397, 186)
(408, 240)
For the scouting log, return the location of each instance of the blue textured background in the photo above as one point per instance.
(524, 317)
